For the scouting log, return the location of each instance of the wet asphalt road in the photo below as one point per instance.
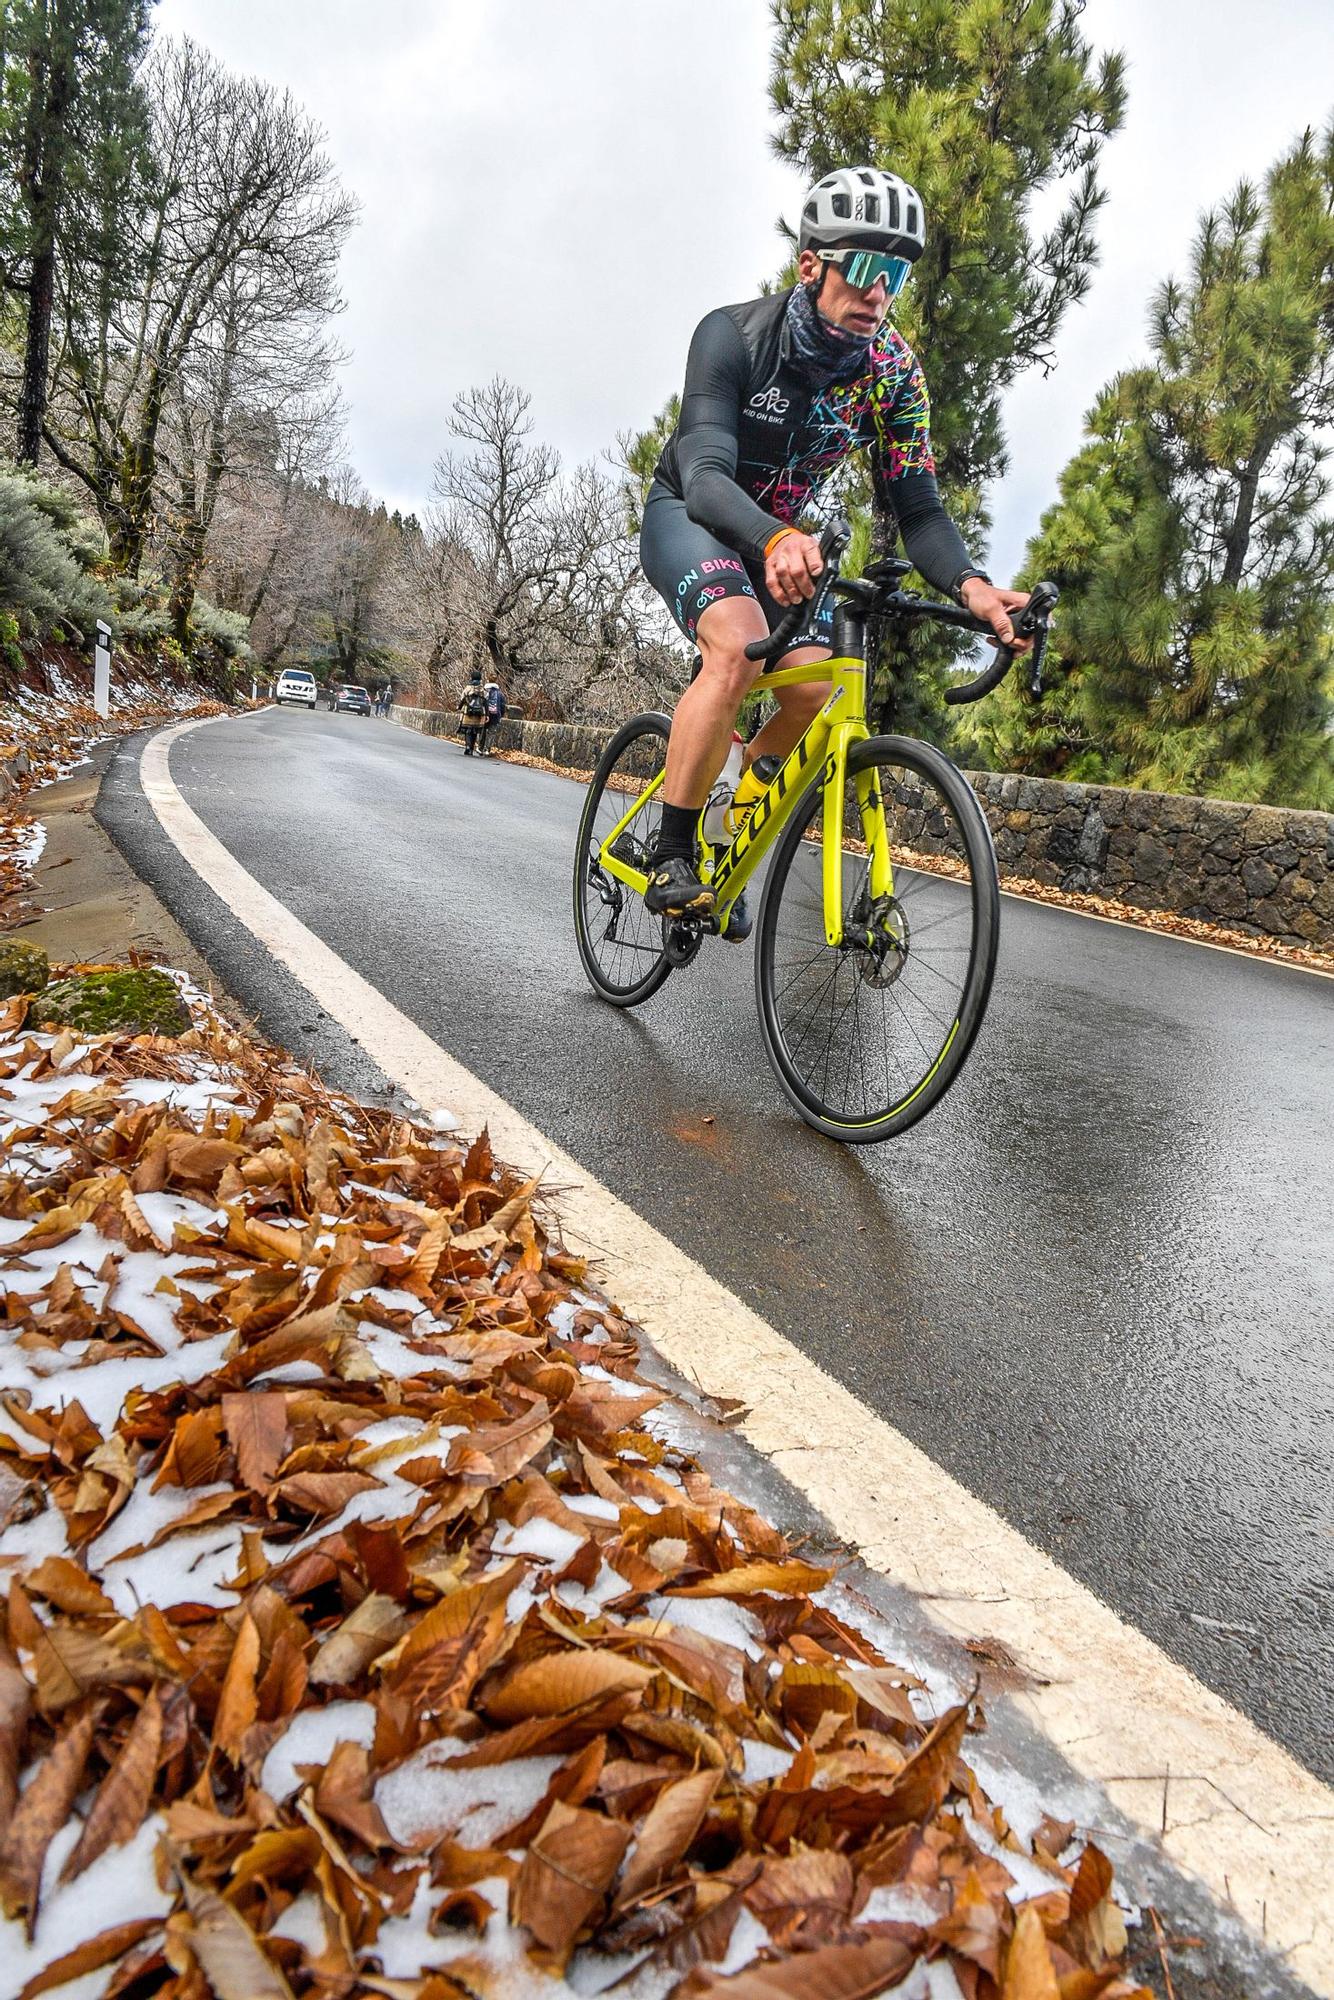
(1096, 1283)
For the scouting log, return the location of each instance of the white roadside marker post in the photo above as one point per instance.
(102, 669)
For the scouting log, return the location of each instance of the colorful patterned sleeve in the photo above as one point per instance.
(901, 409)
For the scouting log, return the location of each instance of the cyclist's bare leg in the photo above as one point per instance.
(797, 708)
(706, 713)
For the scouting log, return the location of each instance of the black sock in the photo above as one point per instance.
(676, 833)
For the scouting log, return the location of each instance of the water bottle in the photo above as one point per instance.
(752, 788)
(720, 798)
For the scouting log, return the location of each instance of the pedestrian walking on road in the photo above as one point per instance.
(496, 706)
(472, 712)
(384, 700)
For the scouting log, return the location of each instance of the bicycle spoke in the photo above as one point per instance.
(862, 1028)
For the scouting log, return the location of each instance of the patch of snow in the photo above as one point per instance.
(716, 1617)
(303, 1922)
(311, 1737)
(427, 1795)
(290, 1371)
(144, 1514)
(397, 1357)
(414, 1441)
(27, 852)
(519, 1603)
(194, 1099)
(903, 1903)
(763, 1761)
(941, 1690)
(43, 1535)
(391, 1297)
(748, 1940)
(1026, 1877)
(119, 1886)
(606, 1585)
(29, 1099)
(592, 1504)
(614, 1382)
(163, 1211)
(1017, 1796)
(103, 1386)
(537, 1537)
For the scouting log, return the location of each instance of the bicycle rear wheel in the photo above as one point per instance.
(620, 943)
(868, 1035)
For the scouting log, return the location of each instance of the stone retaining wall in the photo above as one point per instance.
(1259, 869)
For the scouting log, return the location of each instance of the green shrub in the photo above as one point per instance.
(145, 625)
(227, 630)
(44, 553)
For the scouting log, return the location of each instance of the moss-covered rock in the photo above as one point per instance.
(24, 968)
(138, 1001)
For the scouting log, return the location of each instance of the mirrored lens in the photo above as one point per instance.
(864, 268)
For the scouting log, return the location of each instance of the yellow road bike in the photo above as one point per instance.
(877, 930)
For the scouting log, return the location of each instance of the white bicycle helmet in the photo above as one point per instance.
(865, 207)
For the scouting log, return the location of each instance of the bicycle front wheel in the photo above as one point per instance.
(867, 1035)
(620, 942)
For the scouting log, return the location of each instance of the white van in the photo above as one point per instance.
(295, 684)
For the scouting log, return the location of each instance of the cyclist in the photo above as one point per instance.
(777, 393)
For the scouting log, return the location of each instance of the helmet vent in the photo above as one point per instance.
(842, 206)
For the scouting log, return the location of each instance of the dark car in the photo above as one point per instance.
(347, 696)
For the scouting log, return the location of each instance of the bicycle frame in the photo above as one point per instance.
(821, 756)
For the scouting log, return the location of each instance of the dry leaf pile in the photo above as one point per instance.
(366, 1634)
(53, 732)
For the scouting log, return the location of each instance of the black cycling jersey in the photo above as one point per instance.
(756, 439)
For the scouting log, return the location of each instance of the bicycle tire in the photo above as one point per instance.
(600, 963)
(933, 769)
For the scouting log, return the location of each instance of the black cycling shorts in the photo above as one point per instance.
(691, 569)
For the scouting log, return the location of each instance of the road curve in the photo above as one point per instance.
(1096, 1284)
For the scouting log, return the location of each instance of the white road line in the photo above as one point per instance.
(1241, 1814)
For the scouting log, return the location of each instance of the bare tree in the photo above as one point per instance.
(243, 232)
(542, 576)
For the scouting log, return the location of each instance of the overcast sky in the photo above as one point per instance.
(558, 190)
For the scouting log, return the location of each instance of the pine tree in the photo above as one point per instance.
(74, 138)
(983, 105)
(1192, 540)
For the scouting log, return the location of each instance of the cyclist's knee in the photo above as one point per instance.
(726, 668)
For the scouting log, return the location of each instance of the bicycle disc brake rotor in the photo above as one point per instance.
(881, 941)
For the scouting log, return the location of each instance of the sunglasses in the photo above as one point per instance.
(863, 268)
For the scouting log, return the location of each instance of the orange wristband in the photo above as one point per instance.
(774, 539)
